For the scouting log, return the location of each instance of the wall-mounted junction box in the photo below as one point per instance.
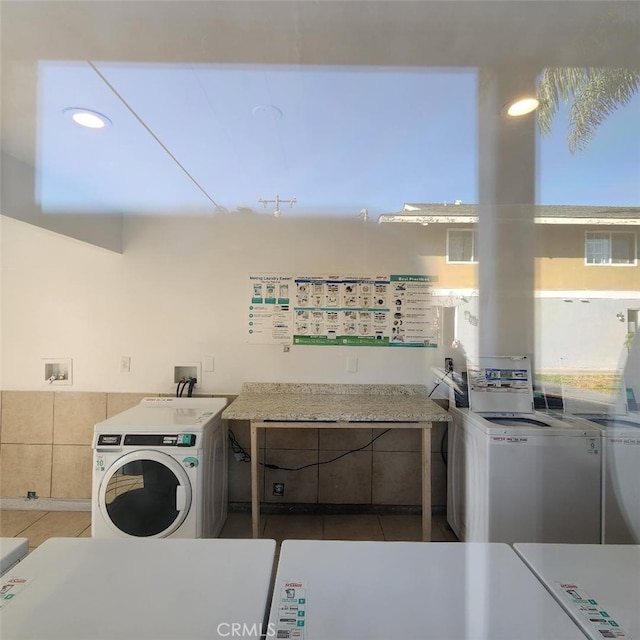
(185, 370)
(58, 371)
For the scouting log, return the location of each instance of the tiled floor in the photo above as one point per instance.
(37, 526)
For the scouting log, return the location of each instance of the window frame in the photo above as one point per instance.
(632, 263)
(474, 246)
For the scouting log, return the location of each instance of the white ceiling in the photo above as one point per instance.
(191, 88)
(197, 138)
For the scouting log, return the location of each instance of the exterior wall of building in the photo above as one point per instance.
(561, 261)
(458, 275)
(560, 265)
(581, 311)
(572, 334)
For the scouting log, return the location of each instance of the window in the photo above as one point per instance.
(615, 247)
(461, 245)
(632, 320)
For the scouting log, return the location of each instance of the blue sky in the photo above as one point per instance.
(338, 140)
(607, 172)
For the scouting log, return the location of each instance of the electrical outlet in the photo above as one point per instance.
(125, 364)
(278, 488)
(448, 365)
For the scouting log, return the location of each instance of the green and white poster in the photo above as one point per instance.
(269, 316)
(344, 310)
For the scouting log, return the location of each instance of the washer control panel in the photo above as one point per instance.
(147, 439)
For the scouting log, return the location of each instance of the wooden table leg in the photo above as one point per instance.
(255, 496)
(426, 484)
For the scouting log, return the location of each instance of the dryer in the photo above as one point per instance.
(517, 475)
(160, 470)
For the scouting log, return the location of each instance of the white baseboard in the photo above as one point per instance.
(45, 504)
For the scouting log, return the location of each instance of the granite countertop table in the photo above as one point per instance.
(334, 403)
(347, 406)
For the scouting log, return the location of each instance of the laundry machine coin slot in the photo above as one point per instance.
(109, 440)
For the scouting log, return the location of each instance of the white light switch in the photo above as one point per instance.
(352, 365)
(208, 363)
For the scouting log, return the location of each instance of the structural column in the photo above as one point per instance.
(506, 235)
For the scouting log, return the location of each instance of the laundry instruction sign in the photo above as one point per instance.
(269, 316)
(344, 310)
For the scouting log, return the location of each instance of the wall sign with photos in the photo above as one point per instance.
(343, 310)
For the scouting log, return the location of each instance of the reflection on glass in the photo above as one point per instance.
(141, 498)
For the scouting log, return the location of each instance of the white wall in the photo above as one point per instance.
(18, 198)
(575, 335)
(582, 335)
(179, 292)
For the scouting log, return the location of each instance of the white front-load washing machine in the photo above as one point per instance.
(515, 474)
(160, 470)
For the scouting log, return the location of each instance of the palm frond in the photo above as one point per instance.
(556, 85)
(595, 94)
(599, 98)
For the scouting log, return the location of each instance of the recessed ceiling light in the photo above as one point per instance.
(266, 111)
(522, 106)
(87, 118)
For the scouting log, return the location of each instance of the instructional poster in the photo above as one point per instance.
(269, 315)
(507, 379)
(343, 310)
(500, 383)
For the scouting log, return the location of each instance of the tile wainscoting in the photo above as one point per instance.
(45, 446)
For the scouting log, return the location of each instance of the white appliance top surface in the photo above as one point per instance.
(92, 588)
(614, 424)
(410, 590)
(500, 383)
(11, 551)
(607, 574)
(527, 424)
(177, 413)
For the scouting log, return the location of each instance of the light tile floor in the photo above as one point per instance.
(37, 526)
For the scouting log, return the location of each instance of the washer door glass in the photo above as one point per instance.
(145, 493)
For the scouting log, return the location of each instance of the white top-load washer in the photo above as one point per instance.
(160, 470)
(12, 550)
(138, 589)
(352, 590)
(620, 463)
(515, 474)
(620, 477)
(598, 585)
